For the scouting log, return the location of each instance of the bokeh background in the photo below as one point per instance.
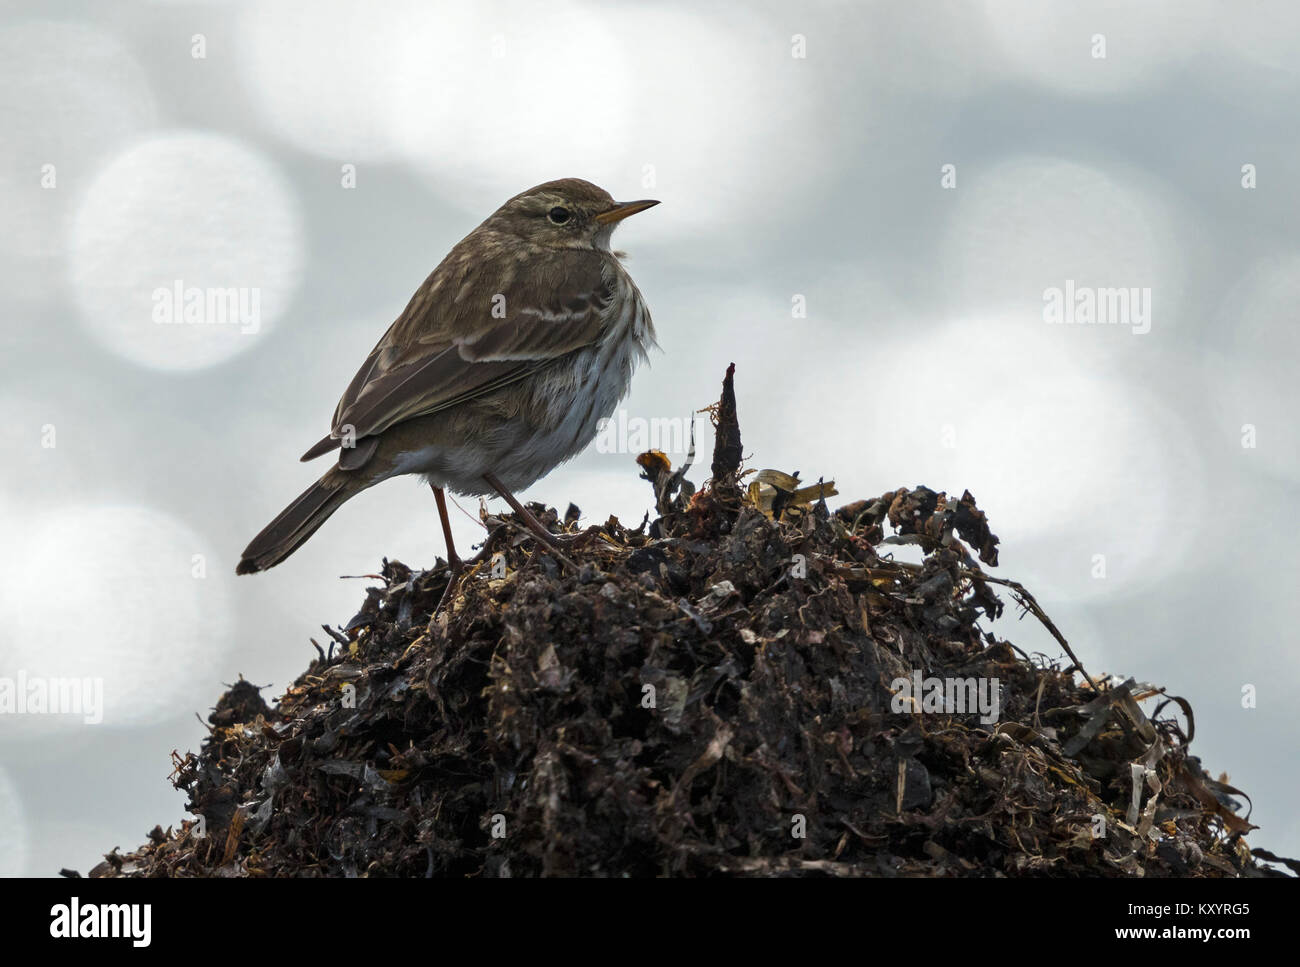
(329, 153)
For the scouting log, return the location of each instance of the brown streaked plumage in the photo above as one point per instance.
(498, 370)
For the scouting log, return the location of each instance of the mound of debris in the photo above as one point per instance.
(747, 685)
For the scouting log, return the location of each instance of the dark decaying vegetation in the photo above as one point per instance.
(717, 691)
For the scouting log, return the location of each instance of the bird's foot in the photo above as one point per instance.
(580, 539)
(557, 543)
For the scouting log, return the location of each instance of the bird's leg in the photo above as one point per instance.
(532, 522)
(453, 559)
(454, 564)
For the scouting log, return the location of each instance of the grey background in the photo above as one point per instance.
(1111, 464)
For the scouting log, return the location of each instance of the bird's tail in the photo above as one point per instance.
(299, 521)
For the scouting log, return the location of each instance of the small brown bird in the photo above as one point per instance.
(498, 370)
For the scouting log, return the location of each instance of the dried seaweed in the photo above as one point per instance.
(726, 690)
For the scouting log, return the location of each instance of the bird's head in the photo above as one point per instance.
(568, 213)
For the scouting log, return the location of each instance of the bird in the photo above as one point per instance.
(500, 368)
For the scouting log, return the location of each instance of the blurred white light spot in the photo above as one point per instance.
(737, 144)
(1055, 44)
(488, 99)
(13, 830)
(111, 593)
(524, 94)
(68, 94)
(1067, 461)
(660, 103)
(324, 80)
(1033, 224)
(188, 247)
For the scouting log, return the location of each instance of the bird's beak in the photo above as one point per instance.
(623, 209)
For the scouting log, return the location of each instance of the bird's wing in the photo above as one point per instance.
(474, 326)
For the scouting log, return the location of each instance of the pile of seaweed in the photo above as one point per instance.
(743, 686)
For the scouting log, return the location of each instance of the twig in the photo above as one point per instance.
(1028, 602)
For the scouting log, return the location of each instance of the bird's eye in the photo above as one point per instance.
(558, 215)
